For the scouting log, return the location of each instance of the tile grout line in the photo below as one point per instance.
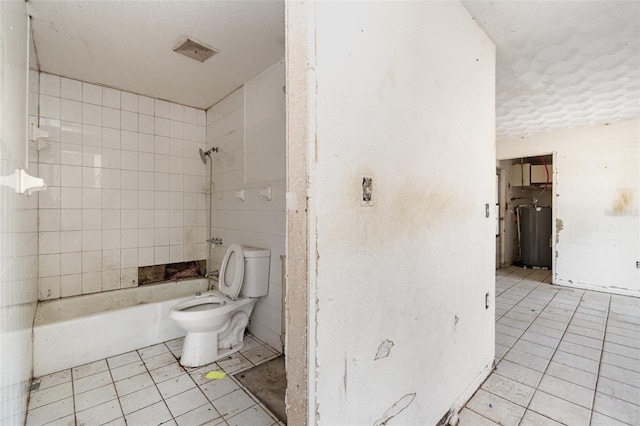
(532, 321)
(552, 355)
(604, 337)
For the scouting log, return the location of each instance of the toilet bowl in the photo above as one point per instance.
(215, 321)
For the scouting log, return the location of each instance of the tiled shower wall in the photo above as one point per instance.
(126, 187)
(255, 221)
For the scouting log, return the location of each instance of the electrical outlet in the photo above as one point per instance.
(367, 190)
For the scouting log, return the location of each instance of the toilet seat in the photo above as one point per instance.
(232, 271)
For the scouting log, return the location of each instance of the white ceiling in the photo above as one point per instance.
(128, 44)
(560, 64)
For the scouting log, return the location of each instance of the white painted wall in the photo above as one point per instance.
(126, 187)
(404, 93)
(597, 186)
(19, 220)
(255, 221)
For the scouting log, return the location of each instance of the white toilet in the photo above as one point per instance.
(215, 321)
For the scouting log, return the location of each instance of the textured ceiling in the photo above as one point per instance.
(562, 64)
(128, 44)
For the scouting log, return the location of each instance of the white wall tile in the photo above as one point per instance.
(49, 242)
(91, 114)
(111, 97)
(129, 121)
(176, 253)
(145, 256)
(146, 124)
(70, 285)
(129, 101)
(129, 239)
(146, 105)
(91, 219)
(129, 258)
(49, 288)
(190, 115)
(111, 118)
(91, 94)
(176, 129)
(49, 84)
(91, 198)
(110, 138)
(128, 219)
(162, 126)
(91, 135)
(71, 89)
(129, 140)
(70, 263)
(162, 109)
(162, 255)
(70, 220)
(71, 110)
(111, 280)
(110, 239)
(71, 133)
(91, 282)
(92, 177)
(145, 201)
(128, 199)
(71, 176)
(91, 240)
(71, 241)
(111, 219)
(116, 186)
(128, 277)
(91, 261)
(146, 161)
(70, 154)
(49, 107)
(110, 260)
(49, 220)
(70, 198)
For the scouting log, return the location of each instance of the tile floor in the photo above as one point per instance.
(563, 356)
(149, 387)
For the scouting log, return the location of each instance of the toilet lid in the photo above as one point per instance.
(232, 271)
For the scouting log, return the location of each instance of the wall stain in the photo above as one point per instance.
(622, 204)
(384, 349)
(395, 409)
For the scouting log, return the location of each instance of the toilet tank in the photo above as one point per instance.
(256, 272)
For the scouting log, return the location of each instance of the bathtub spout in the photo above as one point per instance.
(212, 274)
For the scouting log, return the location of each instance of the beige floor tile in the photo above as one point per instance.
(559, 409)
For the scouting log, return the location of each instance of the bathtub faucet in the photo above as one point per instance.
(215, 241)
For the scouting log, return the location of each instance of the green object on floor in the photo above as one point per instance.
(217, 375)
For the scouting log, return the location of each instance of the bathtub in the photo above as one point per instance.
(77, 330)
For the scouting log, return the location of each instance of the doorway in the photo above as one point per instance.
(526, 194)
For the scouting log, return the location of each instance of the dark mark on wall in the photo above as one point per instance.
(384, 349)
(395, 409)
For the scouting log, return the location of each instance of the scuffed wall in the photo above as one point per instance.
(597, 183)
(404, 94)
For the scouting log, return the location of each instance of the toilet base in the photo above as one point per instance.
(205, 347)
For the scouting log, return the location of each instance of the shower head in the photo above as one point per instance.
(207, 153)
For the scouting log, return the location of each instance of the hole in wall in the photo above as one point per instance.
(171, 272)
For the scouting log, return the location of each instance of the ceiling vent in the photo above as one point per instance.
(195, 50)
